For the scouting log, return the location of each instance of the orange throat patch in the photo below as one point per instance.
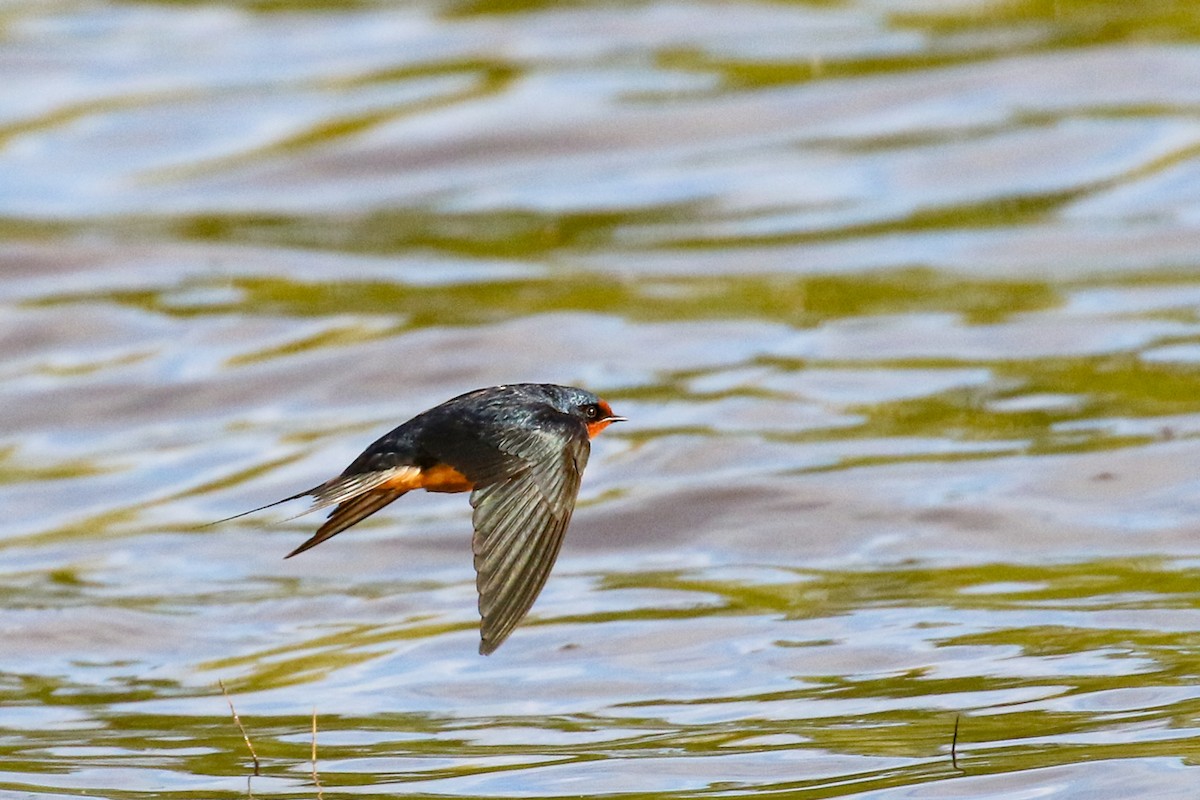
(594, 428)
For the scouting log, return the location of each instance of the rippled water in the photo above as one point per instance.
(901, 299)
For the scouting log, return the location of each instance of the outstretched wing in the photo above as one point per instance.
(520, 519)
(349, 512)
(338, 490)
(357, 496)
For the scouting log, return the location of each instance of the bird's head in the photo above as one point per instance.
(597, 414)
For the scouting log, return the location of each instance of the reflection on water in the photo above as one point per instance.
(900, 300)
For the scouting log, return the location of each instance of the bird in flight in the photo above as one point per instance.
(520, 449)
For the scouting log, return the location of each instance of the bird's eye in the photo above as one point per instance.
(592, 411)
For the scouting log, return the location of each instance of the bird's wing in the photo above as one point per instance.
(349, 486)
(343, 487)
(349, 512)
(358, 496)
(520, 519)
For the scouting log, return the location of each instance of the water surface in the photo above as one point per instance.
(900, 298)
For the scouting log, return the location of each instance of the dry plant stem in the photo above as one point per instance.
(315, 777)
(237, 720)
(954, 745)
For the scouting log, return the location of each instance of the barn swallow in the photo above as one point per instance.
(520, 449)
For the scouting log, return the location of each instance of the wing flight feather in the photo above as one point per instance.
(520, 520)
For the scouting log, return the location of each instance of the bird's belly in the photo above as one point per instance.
(444, 478)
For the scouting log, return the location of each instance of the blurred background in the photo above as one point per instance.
(901, 299)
